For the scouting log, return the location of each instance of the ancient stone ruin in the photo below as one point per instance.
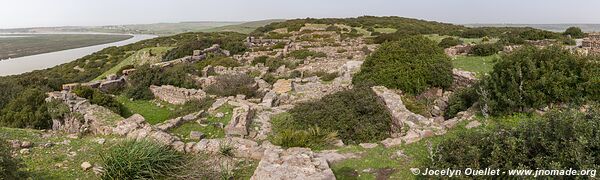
(175, 95)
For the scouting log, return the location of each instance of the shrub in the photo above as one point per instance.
(560, 140)
(303, 54)
(356, 115)
(449, 42)
(27, 110)
(412, 65)
(575, 32)
(533, 78)
(97, 97)
(217, 61)
(324, 76)
(231, 85)
(461, 100)
(260, 59)
(140, 160)
(10, 167)
(485, 49)
(314, 138)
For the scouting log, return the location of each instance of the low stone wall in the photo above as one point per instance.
(292, 164)
(175, 95)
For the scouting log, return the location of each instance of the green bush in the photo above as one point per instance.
(324, 76)
(232, 85)
(533, 78)
(485, 49)
(27, 110)
(217, 61)
(97, 97)
(559, 140)
(356, 115)
(449, 42)
(412, 65)
(304, 53)
(10, 167)
(575, 32)
(140, 160)
(461, 100)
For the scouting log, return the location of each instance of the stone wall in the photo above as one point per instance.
(175, 95)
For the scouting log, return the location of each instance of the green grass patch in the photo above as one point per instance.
(148, 109)
(479, 64)
(438, 38)
(210, 127)
(144, 56)
(386, 30)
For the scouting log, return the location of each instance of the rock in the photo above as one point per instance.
(98, 170)
(15, 144)
(368, 145)
(26, 144)
(332, 156)
(389, 142)
(66, 142)
(293, 164)
(101, 140)
(59, 165)
(73, 136)
(399, 154)
(239, 121)
(47, 145)
(219, 115)
(24, 151)
(463, 79)
(269, 99)
(241, 147)
(240, 97)
(400, 114)
(175, 95)
(85, 166)
(282, 86)
(339, 143)
(195, 135)
(427, 133)
(473, 124)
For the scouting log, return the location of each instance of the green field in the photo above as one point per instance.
(144, 56)
(32, 44)
(477, 64)
(245, 28)
(385, 30)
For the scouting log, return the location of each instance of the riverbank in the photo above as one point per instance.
(25, 64)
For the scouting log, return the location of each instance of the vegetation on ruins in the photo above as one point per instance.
(535, 78)
(356, 115)
(559, 140)
(144, 76)
(100, 98)
(10, 167)
(133, 159)
(449, 42)
(411, 65)
(461, 100)
(486, 49)
(230, 41)
(303, 54)
(232, 85)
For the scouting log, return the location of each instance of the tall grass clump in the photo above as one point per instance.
(140, 160)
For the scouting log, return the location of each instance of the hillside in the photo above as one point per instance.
(244, 28)
(355, 98)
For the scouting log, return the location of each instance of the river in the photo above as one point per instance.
(47, 60)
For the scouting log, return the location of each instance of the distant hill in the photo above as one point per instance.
(549, 27)
(245, 28)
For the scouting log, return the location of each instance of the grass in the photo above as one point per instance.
(478, 64)
(32, 44)
(148, 109)
(41, 163)
(386, 30)
(438, 38)
(138, 58)
(211, 131)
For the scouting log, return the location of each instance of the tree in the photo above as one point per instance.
(411, 65)
(574, 32)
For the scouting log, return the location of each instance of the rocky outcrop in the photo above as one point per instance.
(292, 164)
(283, 86)
(85, 117)
(463, 79)
(407, 127)
(240, 120)
(175, 95)
(136, 127)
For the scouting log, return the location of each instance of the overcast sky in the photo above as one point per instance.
(37, 13)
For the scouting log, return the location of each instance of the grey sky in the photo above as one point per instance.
(36, 13)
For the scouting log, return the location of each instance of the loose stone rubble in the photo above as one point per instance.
(292, 163)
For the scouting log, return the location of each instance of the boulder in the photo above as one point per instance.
(282, 86)
(195, 135)
(85, 166)
(292, 164)
(175, 95)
